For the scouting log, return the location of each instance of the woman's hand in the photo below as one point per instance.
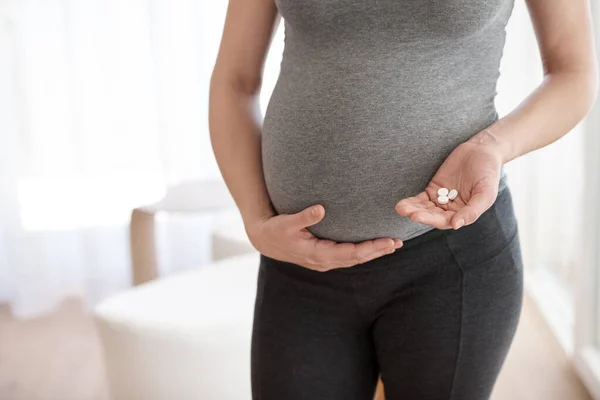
(473, 169)
(285, 238)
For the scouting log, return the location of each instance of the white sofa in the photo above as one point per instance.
(185, 337)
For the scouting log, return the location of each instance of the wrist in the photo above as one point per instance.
(252, 220)
(494, 143)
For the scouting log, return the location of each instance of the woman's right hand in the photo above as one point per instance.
(285, 238)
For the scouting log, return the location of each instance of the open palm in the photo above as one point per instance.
(474, 171)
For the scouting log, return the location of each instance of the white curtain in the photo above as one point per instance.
(103, 103)
(547, 185)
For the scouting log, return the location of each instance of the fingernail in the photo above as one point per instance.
(314, 211)
(459, 223)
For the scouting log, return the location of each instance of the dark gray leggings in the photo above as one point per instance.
(435, 319)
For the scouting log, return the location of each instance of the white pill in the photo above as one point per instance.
(442, 192)
(453, 193)
(443, 199)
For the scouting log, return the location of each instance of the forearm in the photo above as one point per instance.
(553, 109)
(235, 127)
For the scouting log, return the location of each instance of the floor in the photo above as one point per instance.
(58, 358)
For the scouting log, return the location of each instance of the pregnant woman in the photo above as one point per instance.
(380, 103)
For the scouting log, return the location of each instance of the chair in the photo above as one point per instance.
(186, 198)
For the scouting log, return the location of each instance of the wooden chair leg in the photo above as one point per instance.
(144, 265)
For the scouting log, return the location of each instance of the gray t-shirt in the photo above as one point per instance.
(372, 96)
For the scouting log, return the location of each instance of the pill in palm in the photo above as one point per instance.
(443, 199)
(452, 194)
(442, 192)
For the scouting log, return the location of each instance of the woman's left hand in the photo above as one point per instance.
(473, 169)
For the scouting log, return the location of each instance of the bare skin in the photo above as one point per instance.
(564, 33)
(235, 125)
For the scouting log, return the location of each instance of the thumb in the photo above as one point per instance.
(307, 217)
(477, 205)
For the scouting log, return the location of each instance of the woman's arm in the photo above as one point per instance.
(235, 131)
(566, 41)
(564, 33)
(234, 113)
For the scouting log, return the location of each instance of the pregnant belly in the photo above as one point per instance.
(356, 161)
